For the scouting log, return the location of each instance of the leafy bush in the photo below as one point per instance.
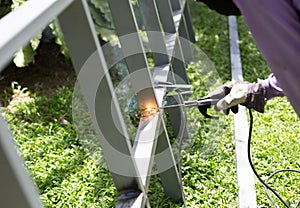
(100, 13)
(4, 7)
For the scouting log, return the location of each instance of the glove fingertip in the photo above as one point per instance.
(226, 111)
(216, 108)
(235, 109)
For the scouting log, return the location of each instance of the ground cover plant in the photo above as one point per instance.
(68, 174)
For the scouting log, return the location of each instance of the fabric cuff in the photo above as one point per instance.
(272, 87)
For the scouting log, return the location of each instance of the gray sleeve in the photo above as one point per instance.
(272, 87)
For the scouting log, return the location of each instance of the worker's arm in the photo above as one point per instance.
(225, 7)
(272, 87)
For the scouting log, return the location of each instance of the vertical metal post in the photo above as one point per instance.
(154, 31)
(246, 194)
(170, 15)
(178, 64)
(133, 51)
(169, 176)
(95, 82)
(138, 68)
(166, 15)
(185, 39)
(189, 23)
(175, 5)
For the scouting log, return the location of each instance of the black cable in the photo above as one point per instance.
(267, 187)
(251, 164)
(270, 176)
(298, 204)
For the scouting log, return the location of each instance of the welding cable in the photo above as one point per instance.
(298, 204)
(270, 176)
(183, 121)
(267, 187)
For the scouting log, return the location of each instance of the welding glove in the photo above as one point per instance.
(251, 95)
(220, 92)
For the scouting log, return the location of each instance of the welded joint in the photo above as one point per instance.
(132, 199)
(128, 194)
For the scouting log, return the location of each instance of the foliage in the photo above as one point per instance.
(17, 3)
(59, 38)
(103, 25)
(26, 54)
(4, 7)
(102, 18)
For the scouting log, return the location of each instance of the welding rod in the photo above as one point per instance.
(193, 103)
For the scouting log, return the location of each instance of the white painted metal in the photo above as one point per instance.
(17, 188)
(97, 88)
(247, 194)
(145, 146)
(18, 27)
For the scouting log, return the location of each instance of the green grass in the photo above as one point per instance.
(64, 172)
(276, 146)
(68, 174)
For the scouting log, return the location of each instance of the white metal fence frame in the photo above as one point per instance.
(170, 20)
(168, 25)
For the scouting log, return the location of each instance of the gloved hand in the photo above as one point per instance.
(220, 92)
(251, 95)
